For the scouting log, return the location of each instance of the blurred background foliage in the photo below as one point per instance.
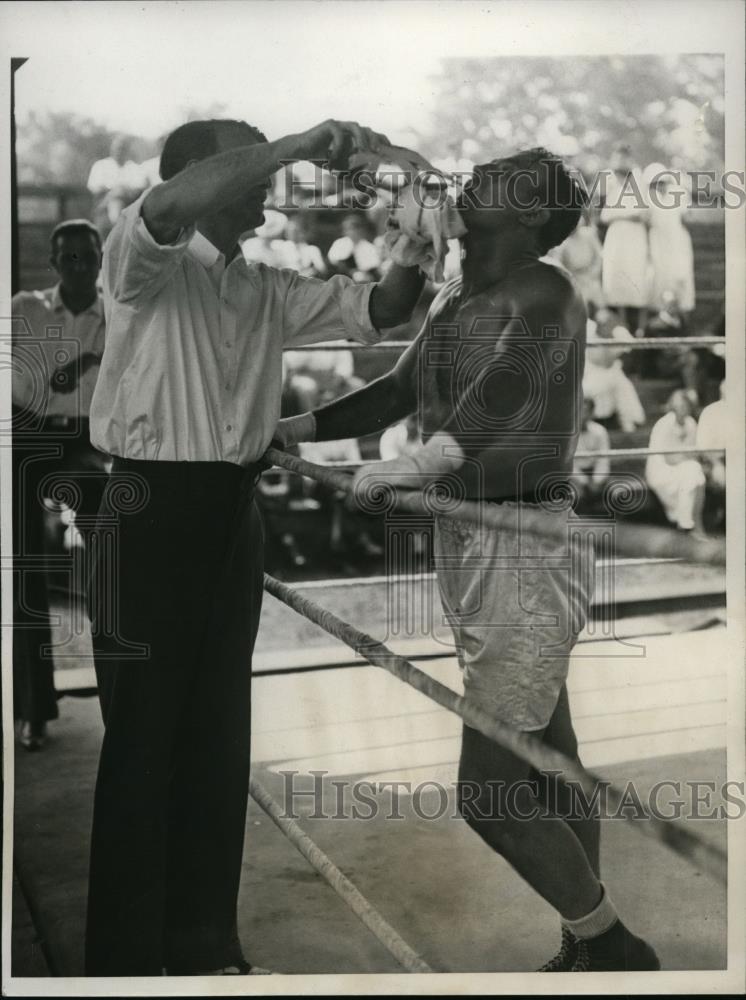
(667, 108)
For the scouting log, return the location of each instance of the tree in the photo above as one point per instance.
(668, 108)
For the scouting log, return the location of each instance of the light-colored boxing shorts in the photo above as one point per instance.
(516, 601)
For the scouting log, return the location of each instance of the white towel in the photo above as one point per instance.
(419, 229)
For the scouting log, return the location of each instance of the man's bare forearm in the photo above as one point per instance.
(211, 184)
(395, 296)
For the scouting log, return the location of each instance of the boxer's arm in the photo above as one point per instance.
(206, 186)
(479, 411)
(376, 406)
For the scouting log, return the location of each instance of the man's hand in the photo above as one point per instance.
(335, 141)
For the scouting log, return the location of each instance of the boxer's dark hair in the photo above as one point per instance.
(560, 189)
(196, 141)
(73, 227)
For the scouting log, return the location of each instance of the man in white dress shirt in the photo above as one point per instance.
(58, 341)
(187, 402)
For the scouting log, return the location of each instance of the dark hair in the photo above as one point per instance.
(71, 227)
(559, 189)
(197, 141)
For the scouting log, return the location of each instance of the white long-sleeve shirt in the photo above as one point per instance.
(192, 369)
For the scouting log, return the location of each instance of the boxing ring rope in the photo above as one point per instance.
(630, 539)
(622, 345)
(689, 449)
(368, 914)
(544, 758)
(695, 850)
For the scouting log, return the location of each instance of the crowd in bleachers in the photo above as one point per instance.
(635, 268)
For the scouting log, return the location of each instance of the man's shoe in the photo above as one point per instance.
(565, 958)
(33, 735)
(634, 955)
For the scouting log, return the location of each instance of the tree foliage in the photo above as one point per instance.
(669, 109)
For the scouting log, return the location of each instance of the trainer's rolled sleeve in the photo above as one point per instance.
(336, 309)
(135, 266)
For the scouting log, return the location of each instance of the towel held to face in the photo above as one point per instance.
(419, 228)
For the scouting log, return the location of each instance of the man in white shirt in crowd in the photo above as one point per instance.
(115, 182)
(187, 402)
(677, 478)
(58, 341)
(589, 475)
(712, 435)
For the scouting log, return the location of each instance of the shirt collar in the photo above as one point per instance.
(96, 307)
(208, 254)
(205, 252)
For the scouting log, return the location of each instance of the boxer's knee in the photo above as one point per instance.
(498, 811)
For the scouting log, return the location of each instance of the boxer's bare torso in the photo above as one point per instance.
(500, 370)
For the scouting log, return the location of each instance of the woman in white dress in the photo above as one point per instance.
(625, 251)
(677, 480)
(671, 254)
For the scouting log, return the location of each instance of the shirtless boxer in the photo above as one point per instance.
(495, 376)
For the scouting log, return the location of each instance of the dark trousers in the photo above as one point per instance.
(47, 462)
(184, 575)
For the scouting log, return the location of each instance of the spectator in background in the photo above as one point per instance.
(400, 439)
(300, 252)
(151, 168)
(614, 396)
(115, 182)
(677, 479)
(266, 245)
(58, 341)
(712, 435)
(353, 253)
(671, 278)
(404, 439)
(625, 248)
(581, 255)
(590, 474)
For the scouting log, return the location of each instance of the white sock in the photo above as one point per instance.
(596, 922)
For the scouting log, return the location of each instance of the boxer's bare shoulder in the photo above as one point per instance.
(540, 294)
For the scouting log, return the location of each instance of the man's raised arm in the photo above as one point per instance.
(207, 186)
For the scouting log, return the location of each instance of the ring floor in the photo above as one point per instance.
(645, 717)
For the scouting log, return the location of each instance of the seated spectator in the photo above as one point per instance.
(581, 255)
(677, 479)
(615, 400)
(300, 252)
(115, 182)
(332, 372)
(354, 253)
(590, 474)
(712, 433)
(266, 245)
(400, 439)
(347, 529)
(404, 439)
